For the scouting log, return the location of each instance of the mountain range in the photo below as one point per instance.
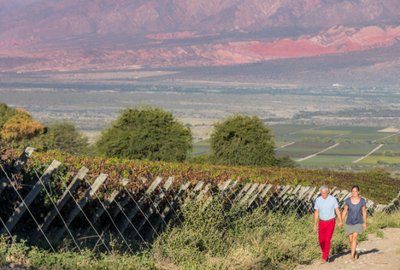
(56, 35)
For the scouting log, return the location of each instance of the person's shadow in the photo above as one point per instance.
(361, 253)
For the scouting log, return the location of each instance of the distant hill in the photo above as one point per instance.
(40, 35)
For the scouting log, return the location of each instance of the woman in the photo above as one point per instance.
(356, 221)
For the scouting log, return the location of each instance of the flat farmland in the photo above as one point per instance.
(376, 160)
(287, 129)
(329, 160)
(334, 147)
(389, 150)
(351, 149)
(302, 149)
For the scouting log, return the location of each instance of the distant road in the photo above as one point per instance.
(370, 153)
(398, 133)
(320, 152)
(286, 145)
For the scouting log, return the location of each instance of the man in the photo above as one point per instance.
(325, 208)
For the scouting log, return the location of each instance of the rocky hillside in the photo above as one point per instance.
(72, 35)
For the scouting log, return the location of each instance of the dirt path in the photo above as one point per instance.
(316, 154)
(375, 254)
(370, 153)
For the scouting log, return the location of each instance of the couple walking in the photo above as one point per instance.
(327, 209)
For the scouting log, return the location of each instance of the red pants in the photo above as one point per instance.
(325, 232)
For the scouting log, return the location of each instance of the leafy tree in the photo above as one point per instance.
(146, 133)
(65, 137)
(242, 140)
(19, 127)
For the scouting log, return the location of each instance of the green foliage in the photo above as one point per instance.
(242, 140)
(218, 237)
(146, 133)
(18, 128)
(65, 137)
(21, 254)
(381, 220)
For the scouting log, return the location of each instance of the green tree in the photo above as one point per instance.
(65, 137)
(242, 140)
(146, 133)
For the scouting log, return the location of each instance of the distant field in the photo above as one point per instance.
(331, 160)
(302, 149)
(389, 150)
(381, 160)
(300, 141)
(280, 130)
(351, 149)
(201, 148)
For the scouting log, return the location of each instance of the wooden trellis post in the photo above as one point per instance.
(23, 206)
(61, 202)
(158, 225)
(107, 203)
(82, 202)
(152, 209)
(242, 192)
(18, 165)
(125, 221)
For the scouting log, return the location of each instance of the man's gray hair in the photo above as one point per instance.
(324, 188)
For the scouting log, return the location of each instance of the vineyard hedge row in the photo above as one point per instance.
(376, 185)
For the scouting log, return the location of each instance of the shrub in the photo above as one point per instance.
(146, 133)
(65, 137)
(242, 140)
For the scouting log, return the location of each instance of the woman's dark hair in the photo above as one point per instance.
(355, 186)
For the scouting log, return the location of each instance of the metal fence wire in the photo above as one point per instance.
(132, 217)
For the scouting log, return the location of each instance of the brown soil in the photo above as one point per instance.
(374, 254)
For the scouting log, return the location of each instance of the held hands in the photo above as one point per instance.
(365, 226)
(340, 224)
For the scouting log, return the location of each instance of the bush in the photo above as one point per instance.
(65, 137)
(18, 128)
(146, 133)
(242, 140)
